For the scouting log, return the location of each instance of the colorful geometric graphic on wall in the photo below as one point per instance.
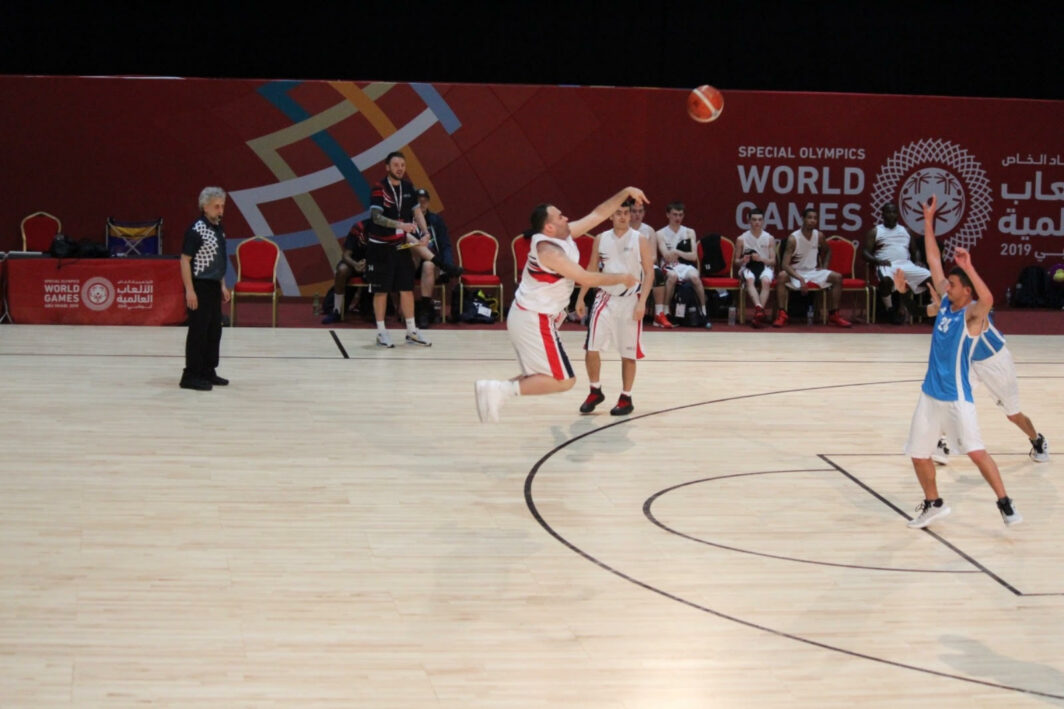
(318, 162)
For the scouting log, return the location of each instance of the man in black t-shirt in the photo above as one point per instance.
(203, 267)
(394, 216)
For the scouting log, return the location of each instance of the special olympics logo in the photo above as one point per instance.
(97, 293)
(935, 167)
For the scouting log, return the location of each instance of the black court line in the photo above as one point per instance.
(649, 514)
(952, 547)
(339, 344)
(534, 511)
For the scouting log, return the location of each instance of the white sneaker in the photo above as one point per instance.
(416, 338)
(490, 395)
(1008, 513)
(941, 454)
(928, 514)
(384, 339)
(1040, 449)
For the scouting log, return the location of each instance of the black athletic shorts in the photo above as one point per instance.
(388, 269)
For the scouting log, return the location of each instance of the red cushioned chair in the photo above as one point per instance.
(477, 254)
(519, 249)
(38, 231)
(844, 261)
(724, 279)
(256, 273)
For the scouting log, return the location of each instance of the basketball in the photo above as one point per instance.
(705, 104)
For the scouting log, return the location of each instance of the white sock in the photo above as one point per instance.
(596, 385)
(411, 326)
(627, 393)
(514, 388)
(338, 303)
(381, 327)
(658, 309)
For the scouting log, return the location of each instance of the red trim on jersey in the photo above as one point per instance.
(550, 346)
(600, 305)
(639, 342)
(543, 276)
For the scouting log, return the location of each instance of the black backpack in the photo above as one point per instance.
(1032, 287)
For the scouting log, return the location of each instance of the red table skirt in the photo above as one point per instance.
(116, 291)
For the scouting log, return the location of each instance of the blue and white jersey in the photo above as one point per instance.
(951, 352)
(989, 343)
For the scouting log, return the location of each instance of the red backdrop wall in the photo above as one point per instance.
(297, 159)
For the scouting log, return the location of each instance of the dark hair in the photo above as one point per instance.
(539, 218)
(807, 210)
(963, 276)
(755, 210)
(393, 154)
(675, 206)
(887, 204)
(628, 203)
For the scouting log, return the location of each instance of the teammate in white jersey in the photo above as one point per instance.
(670, 237)
(617, 314)
(805, 252)
(637, 212)
(993, 366)
(755, 255)
(945, 404)
(552, 269)
(890, 246)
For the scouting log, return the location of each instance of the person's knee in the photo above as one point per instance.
(566, 384)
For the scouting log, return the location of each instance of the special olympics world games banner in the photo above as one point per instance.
(115, 291)
(298, 158)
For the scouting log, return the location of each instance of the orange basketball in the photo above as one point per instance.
(705, 104)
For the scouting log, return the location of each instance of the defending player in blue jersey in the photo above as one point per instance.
(946, 404)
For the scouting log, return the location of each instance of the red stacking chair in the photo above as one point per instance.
(38, 231)
(477, 255)
(256, 273)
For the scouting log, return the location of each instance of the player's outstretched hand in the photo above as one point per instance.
(930, 207)
(962, 257)
(637, 194)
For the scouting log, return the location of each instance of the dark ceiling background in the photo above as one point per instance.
(943, 48)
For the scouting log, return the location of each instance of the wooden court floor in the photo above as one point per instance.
(336, 528)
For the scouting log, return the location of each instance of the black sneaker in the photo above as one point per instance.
(1040, 449)
(332, 317)
(216, 380)
(594, 398)
(195, 383)
(623, 407)
(1008, 512)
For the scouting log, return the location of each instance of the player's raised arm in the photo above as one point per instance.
(934, 256)
(602, 212)
(555, 259)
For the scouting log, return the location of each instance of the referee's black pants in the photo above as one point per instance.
(204, 330)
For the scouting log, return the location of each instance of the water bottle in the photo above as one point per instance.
(317, 304)
(809, 315)
(1008, 296)
(731, 315)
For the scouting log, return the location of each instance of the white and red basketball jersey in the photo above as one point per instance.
(541, 289)
(649, 232)
(892, 244)
(806, 252)
(621, 254)
(764, 245)
(673, 238)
